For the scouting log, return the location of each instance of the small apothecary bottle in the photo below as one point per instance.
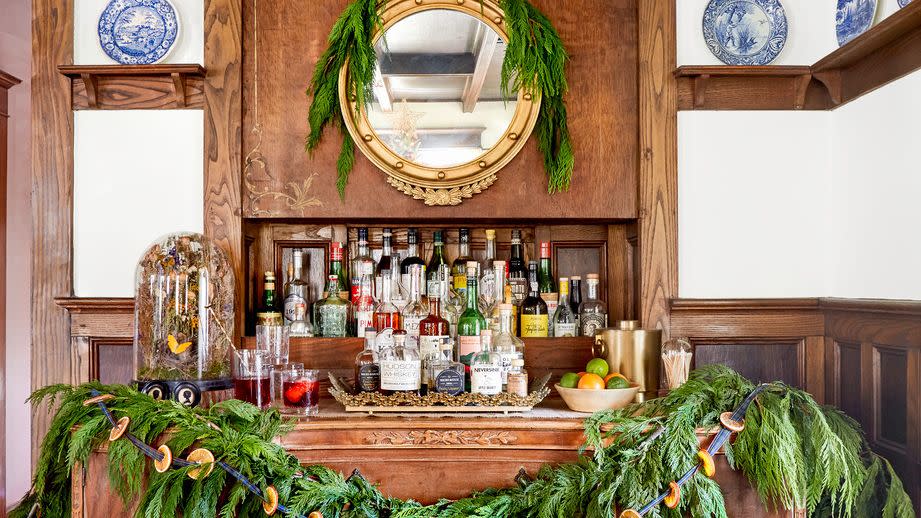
(446, 375)
(517, 379)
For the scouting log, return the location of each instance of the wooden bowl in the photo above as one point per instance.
(586, 400)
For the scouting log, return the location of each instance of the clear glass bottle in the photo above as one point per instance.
(297, 297)
(564, 320)
(534, 320)
(414, 311)
(487, 285)
(332, 314)
(545, 284)
(593, 312)
(412, 258)
(336, 268)
(508, 346)
(386, 314)
(385, 264)
(445, 375)
(517, 269)
(498, 296)
(438, 270)
(367, 370)
(486, 368)
(471, 322)
(517, 379)
(399, 292)
(459, 267)
(401, 367)
(363, 306)
(434, 330)
(575, 297)
(358, 263)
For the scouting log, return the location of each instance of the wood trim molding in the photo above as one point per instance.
(679, 305)
(97, 305)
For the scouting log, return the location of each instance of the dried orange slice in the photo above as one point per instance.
(706, 463)
(674, 495)
(270, 502)
(98, 399)
(163, 464)
(315, 514)
(201, 456)
(119, 429)
(731, 424)
(175, 346)
(630, 513)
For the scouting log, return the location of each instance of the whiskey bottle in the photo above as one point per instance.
(575, 297)
(412, 258)
(414, 311)
(268, 314)
(433, 332)
(296, 297)
(459, 268)
(564, 320)
(534, 320)
(386, 315)
(445, 375)
(545, 283)
(362, 258)
(471, 322)
(363, 306)
(385, 264)
(336, 268)
(486, 369)
(401, 368)
(367, 370)
(593, 312)
(508, 346)
(517, 270)
(332, 314)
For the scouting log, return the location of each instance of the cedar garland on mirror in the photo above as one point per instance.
(534, 63)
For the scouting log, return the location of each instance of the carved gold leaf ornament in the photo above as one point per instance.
(441, 197)
(441, 438)
(296, 196)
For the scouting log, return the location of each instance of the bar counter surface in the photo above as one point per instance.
(428, 456)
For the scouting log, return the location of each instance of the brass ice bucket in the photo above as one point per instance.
(635, 353)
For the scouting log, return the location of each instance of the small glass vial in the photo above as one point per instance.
(367, 370)
(446, 375)
(486, 368)
(517, 379)
(401, 368)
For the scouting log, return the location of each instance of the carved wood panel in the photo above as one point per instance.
(759, 361)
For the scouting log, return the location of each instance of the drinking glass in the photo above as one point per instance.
(278, 370)
(300, 391)
(251, 377)
(275, 341)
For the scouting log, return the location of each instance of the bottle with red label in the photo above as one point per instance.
(358, 263)
(363, 301)
(386, 314)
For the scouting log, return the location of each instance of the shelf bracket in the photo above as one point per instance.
(92, 90)
(832, 81)
(801, 86)
(700, 89)
(179, 89)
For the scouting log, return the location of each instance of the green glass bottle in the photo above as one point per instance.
(471, 321)
(335, 268)
(438, 270)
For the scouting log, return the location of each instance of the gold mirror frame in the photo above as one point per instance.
(450, 185)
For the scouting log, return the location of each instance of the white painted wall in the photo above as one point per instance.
(189, 47)
(137, 175)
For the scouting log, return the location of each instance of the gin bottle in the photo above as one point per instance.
(471, 322)
(564, 321)
(486, 369)
(363, 306)
(401, 368)
(593, 312)
(438, 270)
(332, 314)
(517, 270)
(534, 320)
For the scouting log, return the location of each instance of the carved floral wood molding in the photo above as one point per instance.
(441, 437)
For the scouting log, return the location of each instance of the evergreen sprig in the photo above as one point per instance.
(535, 61)
(795, 452)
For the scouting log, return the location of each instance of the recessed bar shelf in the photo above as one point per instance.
(135, 87)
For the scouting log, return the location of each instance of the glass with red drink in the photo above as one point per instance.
(300, 391)
(251, 377)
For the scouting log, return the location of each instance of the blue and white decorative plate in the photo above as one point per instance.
(903, 3)
(138, 32)
(745, 32)
(853, 18)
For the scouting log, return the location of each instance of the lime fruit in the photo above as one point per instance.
(597, 366)
(618, 383)
(569, 380)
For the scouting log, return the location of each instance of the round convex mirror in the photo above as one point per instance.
(438, 97)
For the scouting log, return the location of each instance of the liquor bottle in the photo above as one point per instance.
(363, 306)
(399, 292)
(296, 297)
(510, 300)
(517, 270)
(498, 294)
(545, 283)
(362, 258)
(268, 314)
(593, 312)
(438, 270)
(335, 268)
(575, 297)
(471, 322)
(508, 346)
(487, 285)
(367, 370)
(386, 315)
(564, 320)
(401, 368)
(414, 311)
(517, 383)
(412, 258)
(459, 268)
(445, 375)
(332, 315)
(534, 321)
(486, 368)
(433, 331)
(385, 264)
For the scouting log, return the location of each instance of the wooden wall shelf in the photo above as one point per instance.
(135, 87)
(886, 52)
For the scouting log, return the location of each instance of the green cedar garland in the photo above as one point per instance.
(535, 61)
(793, 451)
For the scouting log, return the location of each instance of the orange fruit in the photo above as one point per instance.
(614, 375)
(591, 382)
(582, 373)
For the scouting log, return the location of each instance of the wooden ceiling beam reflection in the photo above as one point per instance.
(487, 50)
